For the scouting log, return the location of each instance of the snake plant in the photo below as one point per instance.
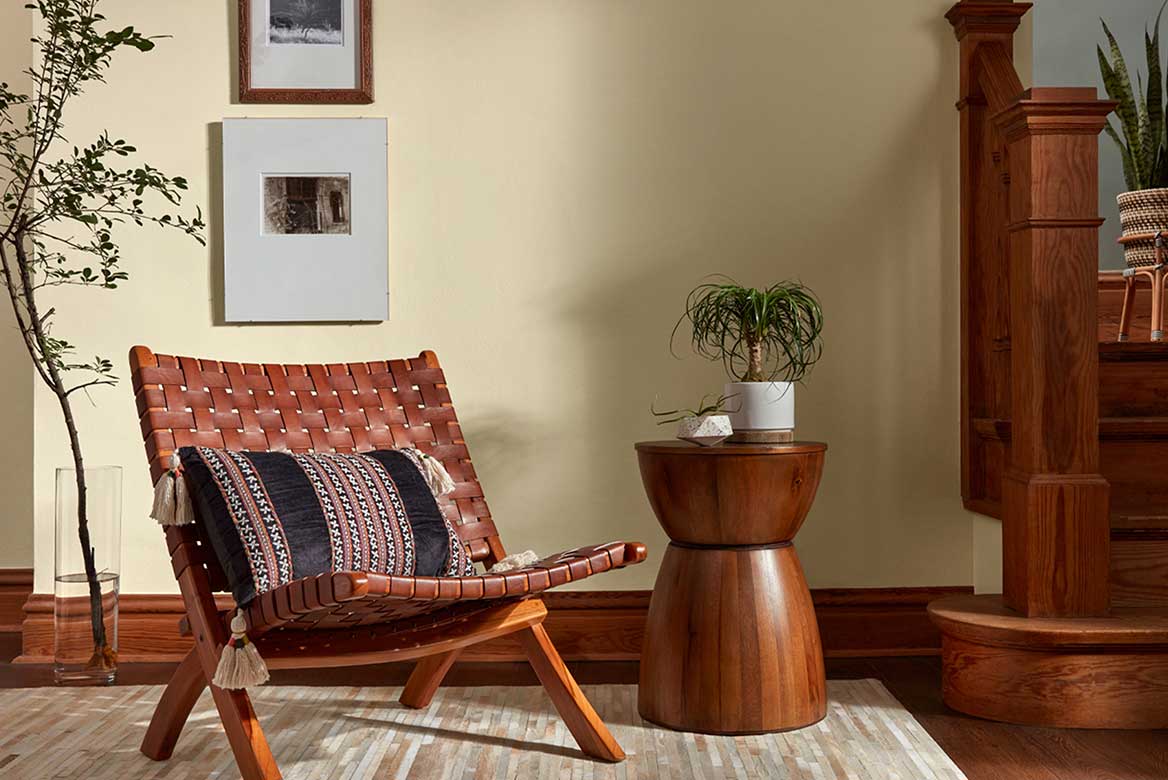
(1143, 142)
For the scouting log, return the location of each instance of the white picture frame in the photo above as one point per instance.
(305, 220)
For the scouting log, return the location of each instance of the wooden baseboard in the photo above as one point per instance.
(585, 625)
(15, 589)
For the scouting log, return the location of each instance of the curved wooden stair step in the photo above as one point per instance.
(1105, 672)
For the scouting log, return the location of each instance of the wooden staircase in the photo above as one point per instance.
(1064, 431)
(1133, 446)
(1133, 457)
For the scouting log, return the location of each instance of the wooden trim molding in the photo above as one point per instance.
(584, 625)
(15, 589)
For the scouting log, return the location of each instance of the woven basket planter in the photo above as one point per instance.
(1143, 211)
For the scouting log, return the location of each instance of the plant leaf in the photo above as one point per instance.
(1147, 148)
(1119, 88)
(1155, 99)
(1128, 171)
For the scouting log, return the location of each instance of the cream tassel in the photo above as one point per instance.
(172, 504)
(240, 664)
(515, 561)
(184, 510)
(437, 477)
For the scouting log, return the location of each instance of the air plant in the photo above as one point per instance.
(705, 406)
(1144, 140)
(758, 335)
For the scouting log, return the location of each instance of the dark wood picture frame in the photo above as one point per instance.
(363, 93)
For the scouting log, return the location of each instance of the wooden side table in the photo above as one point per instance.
(731, 643)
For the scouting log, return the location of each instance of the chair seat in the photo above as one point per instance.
(344, 600)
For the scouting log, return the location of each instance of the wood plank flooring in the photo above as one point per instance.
(982, 749)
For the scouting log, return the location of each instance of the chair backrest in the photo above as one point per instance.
(336, 407)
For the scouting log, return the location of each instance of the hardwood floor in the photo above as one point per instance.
(984, 750)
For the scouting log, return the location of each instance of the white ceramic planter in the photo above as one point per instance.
(761, 406)
(706, 430)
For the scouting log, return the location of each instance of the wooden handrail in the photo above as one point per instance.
(999, 82)
(1029, 261)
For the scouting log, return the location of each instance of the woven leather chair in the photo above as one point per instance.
(347, 618)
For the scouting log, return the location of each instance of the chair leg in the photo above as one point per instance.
(586, 726)
(174, 708)
(426, 678)
(252, 754)
(250, 748)
(1129, 297)
(1158, 305)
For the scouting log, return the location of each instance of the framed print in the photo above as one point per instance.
(306, 51)
(305, 220)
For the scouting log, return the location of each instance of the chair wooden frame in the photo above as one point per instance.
(346, 618)
(1157, 274)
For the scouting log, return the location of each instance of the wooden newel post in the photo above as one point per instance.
(983, 27)
(1029, 265)
(1056, 530)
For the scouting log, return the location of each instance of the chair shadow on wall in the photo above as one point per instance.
(867, 263)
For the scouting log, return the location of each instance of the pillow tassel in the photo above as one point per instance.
(515, 561)
(240, 664)
(184, 509)
(172, 504)
(437, 477)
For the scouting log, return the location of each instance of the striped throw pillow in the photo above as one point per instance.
(275, 517)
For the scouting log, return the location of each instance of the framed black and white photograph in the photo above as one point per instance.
(303, 204)
(305, 220)
(305, 51)
(306, 23)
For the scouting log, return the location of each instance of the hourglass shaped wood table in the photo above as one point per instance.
(731, 643)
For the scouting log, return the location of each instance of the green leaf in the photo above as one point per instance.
(1119, 88)
(1147, 151)
(1155, 98)
(1129, 175)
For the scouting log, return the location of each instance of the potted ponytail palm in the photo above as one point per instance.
(767, 340)
(1143, 142)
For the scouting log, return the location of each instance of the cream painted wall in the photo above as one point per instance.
(561, 173)
(16, 378)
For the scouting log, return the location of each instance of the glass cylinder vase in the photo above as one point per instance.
(85, 590)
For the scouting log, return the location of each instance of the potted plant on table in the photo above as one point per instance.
(1143, 143)
(60, 206)
(767, 340)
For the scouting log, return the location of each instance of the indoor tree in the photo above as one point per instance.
(60, 206)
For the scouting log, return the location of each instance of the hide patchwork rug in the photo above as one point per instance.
(323, 733)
